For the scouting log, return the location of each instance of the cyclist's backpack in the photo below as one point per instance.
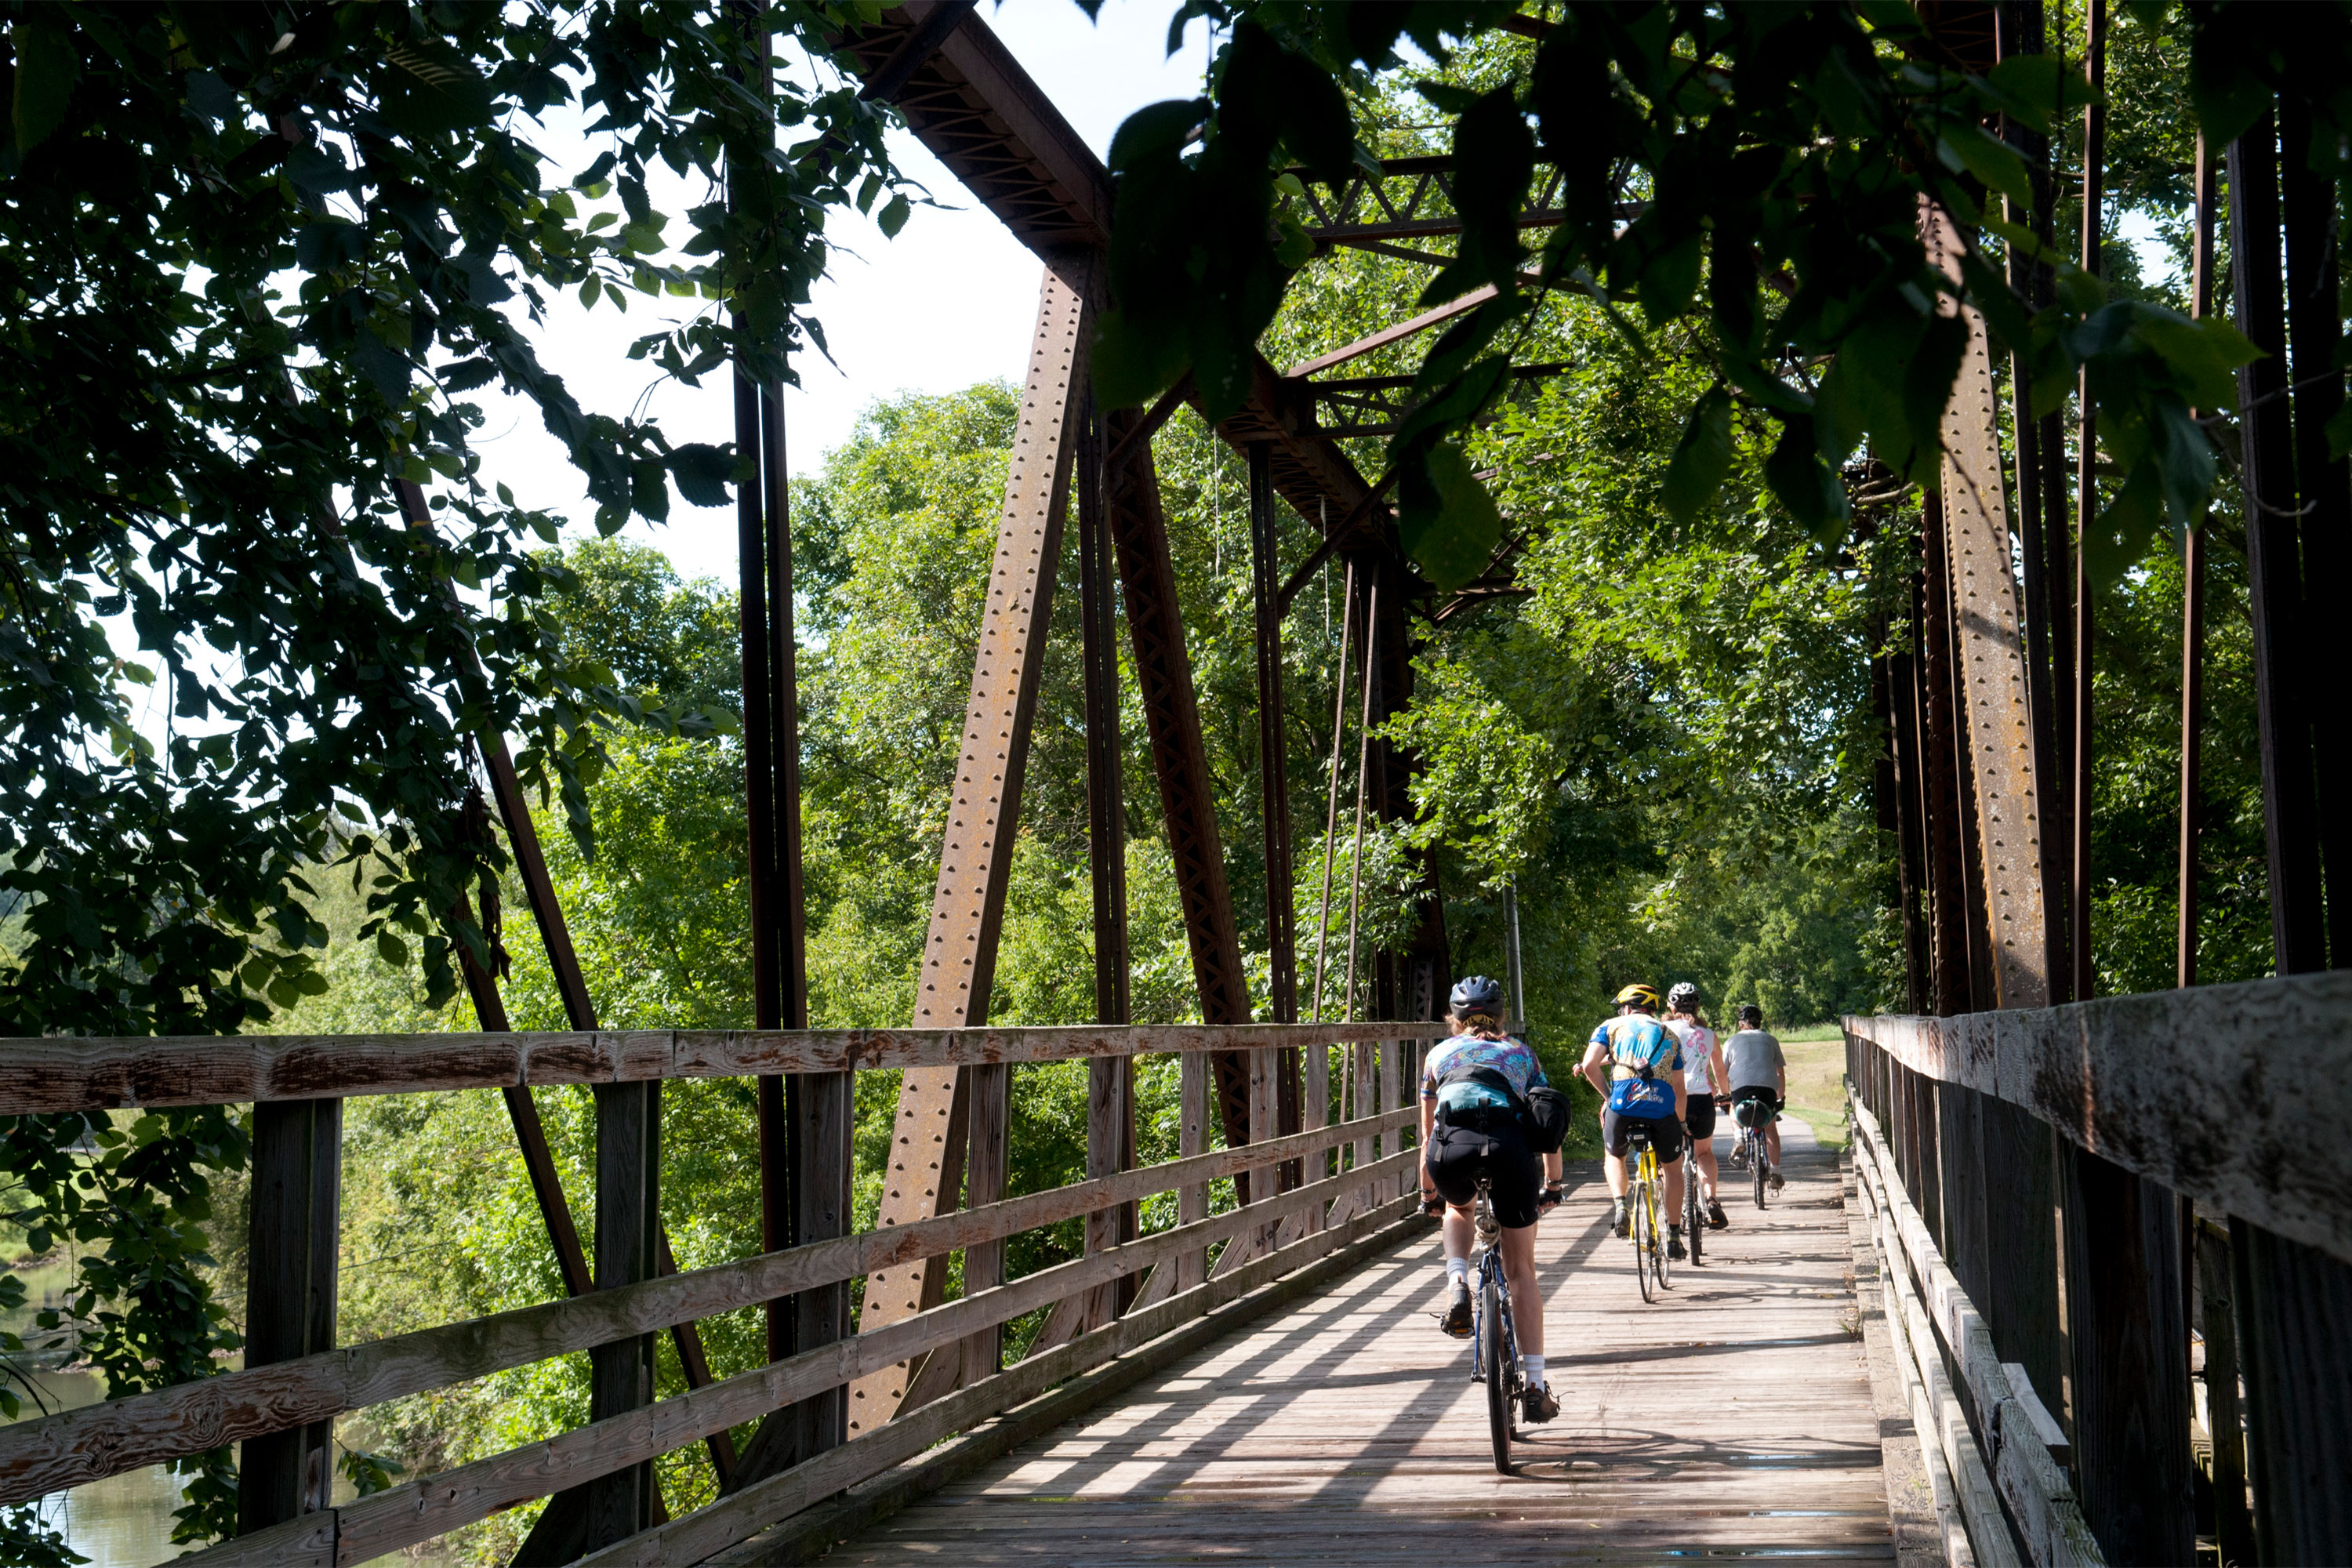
(1541, 1113)
(1547, 1119)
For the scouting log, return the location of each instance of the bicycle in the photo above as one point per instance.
(1495, 1342)
(1749, 1151)
(1694, 1210)
(1648, 1216)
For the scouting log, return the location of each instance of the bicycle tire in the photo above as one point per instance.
(1498, 1375)
(1660, 1258)
(1756, 1162)
(1642, 1241)
(1693, 1216)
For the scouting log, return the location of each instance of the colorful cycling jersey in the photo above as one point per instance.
(1515, 1060)
(1645, 1052)
(1698, 1054)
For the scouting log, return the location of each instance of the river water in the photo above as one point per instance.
(125, 1520)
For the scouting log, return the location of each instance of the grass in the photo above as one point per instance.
(1817, 1081)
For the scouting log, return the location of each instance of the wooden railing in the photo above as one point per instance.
(2100, 1222)
(1357, 1199)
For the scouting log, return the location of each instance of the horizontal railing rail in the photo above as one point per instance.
(1935, 1324)
(74, 1447)
(2214, 1091)
(419, 1510)
(54, 1074)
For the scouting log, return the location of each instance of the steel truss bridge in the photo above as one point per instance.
(2061, 1281)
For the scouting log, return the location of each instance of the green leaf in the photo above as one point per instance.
(2203, 354)
(1805, 483)
(701, 472)
(1695, 474)
(1131, 367)
(1157, 130)
(47, 66)
(1445, 520)
(391, 949)
(2032, 89)
(894, 216)
(429, 89)
(1994, 163)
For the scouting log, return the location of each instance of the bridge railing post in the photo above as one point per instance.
(291, 1295)
(1192, 1138)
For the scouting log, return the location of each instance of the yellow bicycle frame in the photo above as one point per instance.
(1647, 1182)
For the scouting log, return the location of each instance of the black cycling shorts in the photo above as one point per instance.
(1699, 1117)
(1458, 1156)
(1754, 1094)
(1666, 1134)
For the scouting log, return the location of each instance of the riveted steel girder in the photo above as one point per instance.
(926, 1172)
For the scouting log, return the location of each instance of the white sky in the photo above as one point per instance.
(947, 303)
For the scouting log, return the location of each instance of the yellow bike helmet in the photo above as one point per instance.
(1639, 996)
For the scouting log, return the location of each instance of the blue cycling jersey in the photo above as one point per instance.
(1649, 1050)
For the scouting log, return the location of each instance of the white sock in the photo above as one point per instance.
(1457, 1271)
(1533, 1366)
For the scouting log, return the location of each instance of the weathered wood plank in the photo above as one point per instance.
(2178, 1086)
(54, 1074)
(431, 1505)
(698, 1535)
(2039, 1497)
(76, 1446)
(1731, 1417)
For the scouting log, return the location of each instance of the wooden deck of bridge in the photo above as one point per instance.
(1734, 1418)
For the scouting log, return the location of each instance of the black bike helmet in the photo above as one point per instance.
(1683, 998)
(1476, 994)
(1751, 1016)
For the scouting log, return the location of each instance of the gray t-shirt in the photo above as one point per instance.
(1752, 1060)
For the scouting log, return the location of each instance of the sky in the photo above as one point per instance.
(949, 302)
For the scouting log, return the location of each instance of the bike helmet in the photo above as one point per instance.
(1683, 998)
(1751, 1016)
(1639, 996)
(1476, 994)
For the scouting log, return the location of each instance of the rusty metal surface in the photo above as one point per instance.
(1990, 667)
(926, 1168)
(1409, 198)
(1171, 712)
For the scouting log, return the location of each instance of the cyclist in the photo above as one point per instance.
(1699, 1107)
(1473, 1087)
(1758, 1076)
(1645, 1065)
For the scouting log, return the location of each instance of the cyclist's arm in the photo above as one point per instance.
(1428, 1124)
(1595, 1055)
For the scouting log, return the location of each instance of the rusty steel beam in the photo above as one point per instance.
(926, 1170)
(1155, 624)
(1988, 676)
(1410, 198)
(980, 114)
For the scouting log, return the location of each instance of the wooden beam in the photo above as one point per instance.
(289, 1298)
(74, 1447)
(57, 1073)
(419, 1510)
(2147, 1083)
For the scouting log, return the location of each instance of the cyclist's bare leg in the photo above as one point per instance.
(1772, 1144)
(1674, 1192)
(1526, 1295)
(1457, 1229)
(1613, 1166)
(1703, 1151)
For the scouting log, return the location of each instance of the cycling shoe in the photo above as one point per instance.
(1457, 1321)
(1675, 1249)
(1537, 1406)
(1715, 1218)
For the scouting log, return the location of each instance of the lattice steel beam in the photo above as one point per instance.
(1410, 198)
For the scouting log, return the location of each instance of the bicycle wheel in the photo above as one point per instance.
(1497, 1346)
(1645, 1238)
(1694, 1214)
(1659, 1257)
